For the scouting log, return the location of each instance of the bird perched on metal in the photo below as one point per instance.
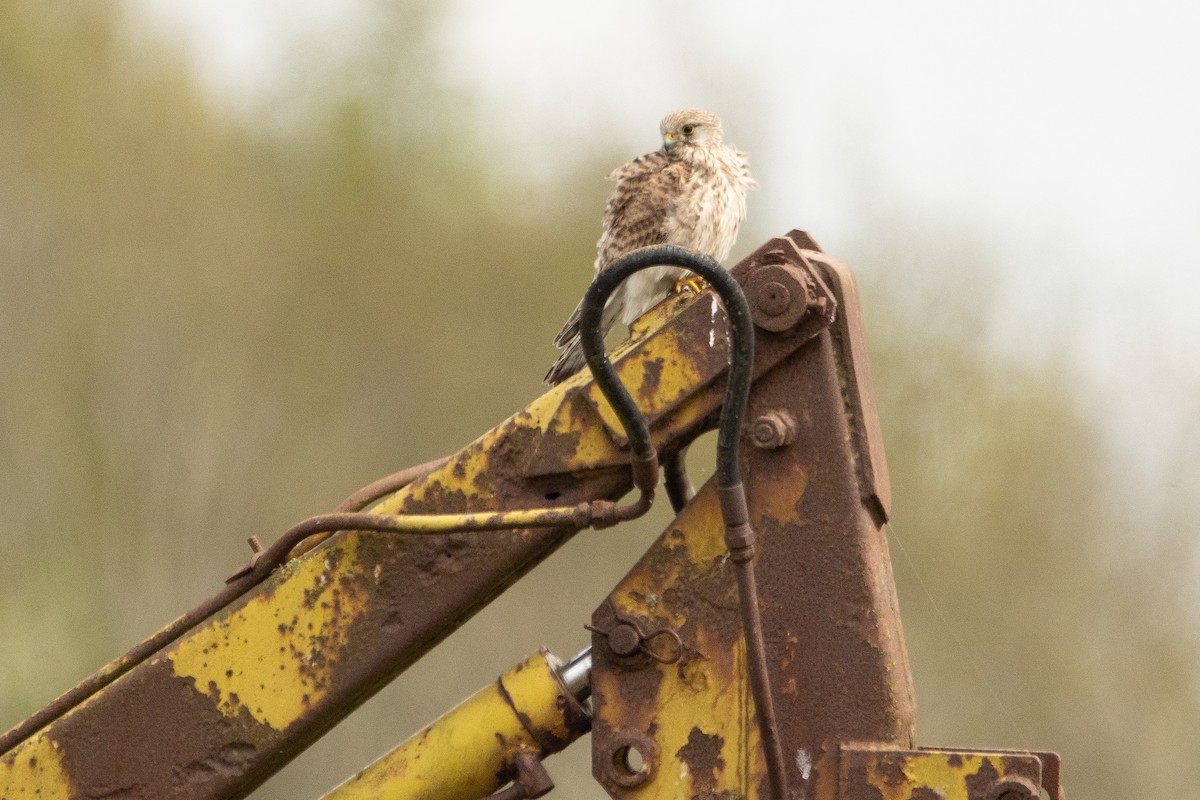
(690, 193)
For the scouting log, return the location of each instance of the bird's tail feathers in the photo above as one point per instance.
(570, 360)
(571, 329)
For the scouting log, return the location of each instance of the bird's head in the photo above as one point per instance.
(689, 128)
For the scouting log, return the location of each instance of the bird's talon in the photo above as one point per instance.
(692, 285)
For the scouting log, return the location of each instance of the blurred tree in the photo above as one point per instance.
(1029, 622)
(215, 325)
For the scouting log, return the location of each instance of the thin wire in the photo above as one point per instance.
(958, 642)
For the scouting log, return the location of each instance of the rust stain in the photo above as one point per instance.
(652, 370)
(981, 780)
(836, 657)
(228, 659)
(702, 756)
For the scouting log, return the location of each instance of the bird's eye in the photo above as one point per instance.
(688, 130)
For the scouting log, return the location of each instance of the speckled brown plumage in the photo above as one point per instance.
(690, 193)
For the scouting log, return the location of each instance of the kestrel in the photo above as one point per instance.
(691, 193)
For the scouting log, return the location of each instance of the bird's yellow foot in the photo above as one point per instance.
(693, 285)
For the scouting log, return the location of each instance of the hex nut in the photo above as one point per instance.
(773, 430)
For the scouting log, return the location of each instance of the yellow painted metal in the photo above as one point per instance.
(463, 755)
(700, 702)
(946, 774)
(34, 771)
(275, 657)
(664, 367)
(272, 665)
(269, 657)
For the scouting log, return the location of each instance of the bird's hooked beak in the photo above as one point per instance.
(669, 140)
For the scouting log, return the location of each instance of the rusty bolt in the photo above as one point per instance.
(624, 640)
(256, 554)
(773, 430)
(1013, 787)
(258, 551)
(772, 298)
(779, 296)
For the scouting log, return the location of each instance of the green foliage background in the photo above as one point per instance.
(214, 324)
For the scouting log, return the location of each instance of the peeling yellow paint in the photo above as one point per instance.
(34, 770)
(709, 694)
(656, 390)
(921, 771)
(272, 657)
(898, 774)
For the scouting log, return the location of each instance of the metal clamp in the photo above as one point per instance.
(627, 638)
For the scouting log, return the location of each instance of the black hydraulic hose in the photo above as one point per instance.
(739, 536)
(737, 388)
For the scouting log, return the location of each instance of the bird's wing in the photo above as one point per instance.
(645, 194)
(646, 191)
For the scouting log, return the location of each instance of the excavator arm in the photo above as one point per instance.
(314, 625)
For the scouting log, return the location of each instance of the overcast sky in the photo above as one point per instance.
(1068, 133)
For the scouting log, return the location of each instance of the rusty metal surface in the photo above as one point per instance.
(818, 495)
(868, 773)
(232, 700)
(532, 780)
(225, 706)
(850, 346)
(237, 585)
(784, 297)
